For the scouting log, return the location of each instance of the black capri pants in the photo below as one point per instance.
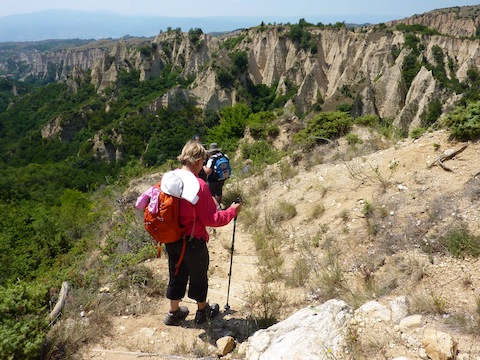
(216, 187)
(194, 267)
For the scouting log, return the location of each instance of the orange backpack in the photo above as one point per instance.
(164, 226)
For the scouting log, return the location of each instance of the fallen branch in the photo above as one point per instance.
(444, 167)
(444, 157)
(157, 355)
(61, 301)
(330, 142)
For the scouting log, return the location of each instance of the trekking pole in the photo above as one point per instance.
(227, 306)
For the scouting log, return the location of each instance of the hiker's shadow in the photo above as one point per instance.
(226, 323)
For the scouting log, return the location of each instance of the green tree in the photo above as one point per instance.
(240, 61)
(74, 213)
(433, 112)
(195, 35)
(233, 121)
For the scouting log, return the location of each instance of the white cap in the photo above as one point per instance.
(181, 183)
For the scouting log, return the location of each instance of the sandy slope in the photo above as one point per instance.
(412, 202)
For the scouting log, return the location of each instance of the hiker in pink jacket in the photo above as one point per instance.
(195, 216)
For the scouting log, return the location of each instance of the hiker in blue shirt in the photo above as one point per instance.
(216, 177)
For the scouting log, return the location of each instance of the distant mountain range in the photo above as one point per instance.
(67, 24)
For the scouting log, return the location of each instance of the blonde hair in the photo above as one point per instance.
(192, 152)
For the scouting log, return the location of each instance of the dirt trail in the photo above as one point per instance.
(139, 335)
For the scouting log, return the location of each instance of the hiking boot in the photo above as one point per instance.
(206, 314)
(176, 317)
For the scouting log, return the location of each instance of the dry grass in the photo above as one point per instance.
(283, 211)
(428, 303)
(316, 211)
(370, 175)
(269, 241)
(87, 313)
(265, 302)
(87, 319)
(299, 274)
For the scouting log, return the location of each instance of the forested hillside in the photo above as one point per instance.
(71, 137)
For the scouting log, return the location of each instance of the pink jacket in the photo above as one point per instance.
(150, 198)
(203, 214)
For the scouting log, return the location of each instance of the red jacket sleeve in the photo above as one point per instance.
(207, 212)
(204, 213)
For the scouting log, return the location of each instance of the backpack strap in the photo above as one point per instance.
(215, 158)
(182, 254)
(184, 245)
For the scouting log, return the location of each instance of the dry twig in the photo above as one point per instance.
(445, 157)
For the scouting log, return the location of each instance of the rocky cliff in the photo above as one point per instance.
(364, 68)
(460, 21)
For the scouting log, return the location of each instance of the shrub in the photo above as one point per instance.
(145, 50)
(230, 43)
(410, 68)
(231, 194)
(316, 211)
(260, 152)
(240, 61)
(260, 96)
(367, 120)
(329, 280)
(268, 244)
(460, 242)
(417, 132)
(22, 334)
(346, 108)
(329, 125)
(233, 121)
(417, 28)
(345, 90)
(299, 274)
(265, 303)
(353, 139)
(430, 303)
(260, 124)
(287, 171)
(225, 77)
(299, 34)
(283, 211)
(464, 122)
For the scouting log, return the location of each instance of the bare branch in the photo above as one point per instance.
(61, 301)
(445, 157)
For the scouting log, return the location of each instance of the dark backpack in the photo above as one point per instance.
(221, 167)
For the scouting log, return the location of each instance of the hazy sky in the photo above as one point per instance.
(202, 8)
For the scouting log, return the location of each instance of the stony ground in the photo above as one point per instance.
(392, 249)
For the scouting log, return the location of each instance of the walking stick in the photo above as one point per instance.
(227, 306)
